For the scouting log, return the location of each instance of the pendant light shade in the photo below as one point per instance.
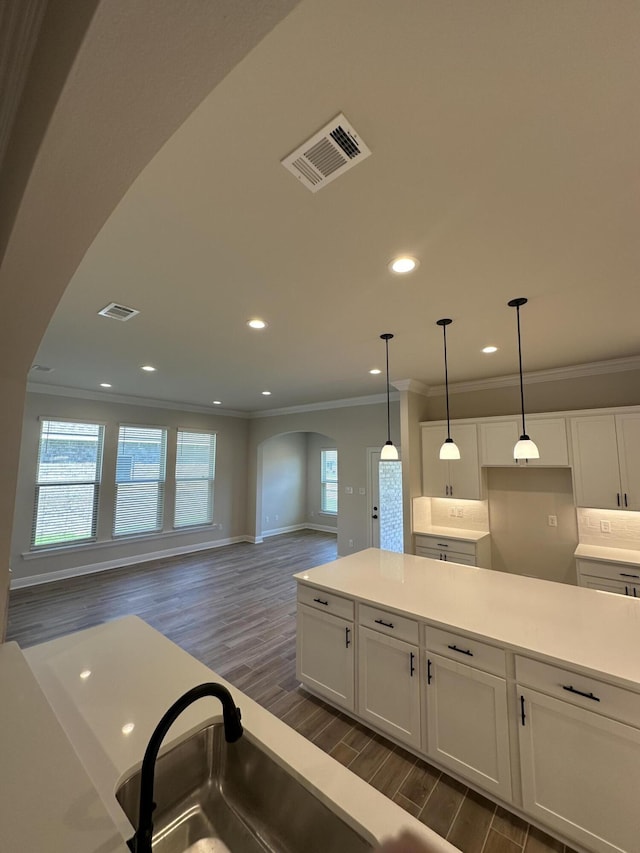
(449, 449)
(388, 452)
(525, 448)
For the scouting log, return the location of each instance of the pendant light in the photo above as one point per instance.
(449, 449)
(388, 452)
(525, 448)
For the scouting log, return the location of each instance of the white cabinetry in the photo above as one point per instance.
(325, 645)
(446, 549)
(458, 478)
(623, 578)
(498, 438)
(466, 709)
(606, 458)
(388, 671)
(580, 758)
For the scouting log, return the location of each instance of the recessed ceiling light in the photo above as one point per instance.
(403, 264)
(128, 728)
(489, 349)
(217, 402)
(105, 385)
(256, 323)
(375, 371)
(149, 368)
(85, 674)
(266, 393)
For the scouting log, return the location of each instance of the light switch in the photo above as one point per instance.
(553, 521)
(348, 490)
(362, 491)
(605, 526)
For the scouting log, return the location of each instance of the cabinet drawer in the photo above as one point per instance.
(444, 543)
(328, 602)
(626, 572)
(463, 649)
(389, 623)
(581, 690)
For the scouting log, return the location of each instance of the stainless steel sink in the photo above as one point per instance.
(215, 797)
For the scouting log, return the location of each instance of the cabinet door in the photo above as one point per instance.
(467, 723)
(389, 685)
(464, 473)
(606, 585)
(628, 433)
(595, 461)
(580, 773)
(456, 557)
(550, 435)
(435, 471)
(497, 440)
(324, 655)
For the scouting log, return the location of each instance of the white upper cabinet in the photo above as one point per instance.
(606, 459)
(458, 478)
(498, 438)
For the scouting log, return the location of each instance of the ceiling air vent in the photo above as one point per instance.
(118, 312)
(332, 151)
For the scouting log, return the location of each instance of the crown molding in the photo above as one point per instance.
(174, 405)
(412, 385)
(370, 400)
(554, 374)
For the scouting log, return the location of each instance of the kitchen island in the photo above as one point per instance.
(525, 689)
(76, 716)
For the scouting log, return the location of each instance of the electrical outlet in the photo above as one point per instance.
(312, 513)
(605, 526)
(362, 491)
(459, 512)
(553, 521)
(348, 490)
(452, 512)
(266, 519)
(277, 517)
(350, 543)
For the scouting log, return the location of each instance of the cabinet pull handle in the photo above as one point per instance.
(523, 716)
(412, 668)
(454, 648)
(626, 590)
(618, 498)
(442, 544)
(320, 601)
(451, 491)
(625, 499)
(446, 490)
(625, 575)
(580, 692)
(347, 631)
(428, 671)
(386, 624)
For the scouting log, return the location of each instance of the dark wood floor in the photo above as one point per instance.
(233, 608)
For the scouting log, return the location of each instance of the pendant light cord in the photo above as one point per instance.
(446, 378)
(524, 430)
(388, 403)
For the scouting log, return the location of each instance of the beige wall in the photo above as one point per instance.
(229, 495)
(284, 481)
(354, 429)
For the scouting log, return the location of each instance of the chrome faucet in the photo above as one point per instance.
(141, 841)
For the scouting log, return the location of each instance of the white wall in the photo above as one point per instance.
(229, 492)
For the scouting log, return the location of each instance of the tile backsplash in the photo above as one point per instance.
(621, 528)
(470, 515)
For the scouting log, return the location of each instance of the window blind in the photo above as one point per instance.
(140, 477)
(67, 483)
(329, 480)
(195, 476)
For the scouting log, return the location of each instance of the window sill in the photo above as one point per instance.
(328, 514)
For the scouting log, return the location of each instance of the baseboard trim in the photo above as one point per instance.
(292, 528)
(123, 562)
(323, 528)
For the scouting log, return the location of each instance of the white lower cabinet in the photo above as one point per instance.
(325, 655)
(389, 685)
(580, 773)
(622, 578)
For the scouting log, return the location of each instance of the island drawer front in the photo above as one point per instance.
(582, 690)
(389, 623)
(613, 571)
(328, 602)
(465, 650)
(443, 543)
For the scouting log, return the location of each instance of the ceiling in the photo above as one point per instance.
(504, 140)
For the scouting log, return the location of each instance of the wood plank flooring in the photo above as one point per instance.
(234, 608)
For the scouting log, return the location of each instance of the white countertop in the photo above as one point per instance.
(135, 675)
(452, 533)
(608, 555)
(592, 630)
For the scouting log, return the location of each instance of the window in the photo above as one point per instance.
(329, 481)
(195, 473)
(67, 484)
(140, 472)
